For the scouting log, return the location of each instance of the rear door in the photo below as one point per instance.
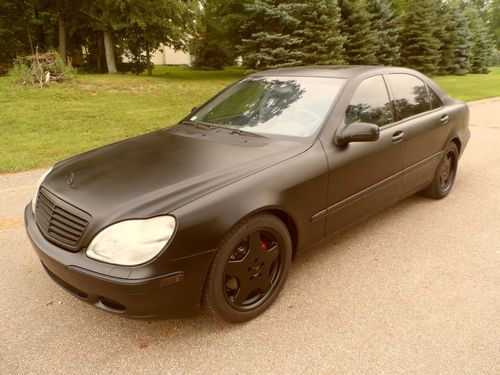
(364, 177)
(425, 124)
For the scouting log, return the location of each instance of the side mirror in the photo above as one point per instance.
(194, 109)
(358, 132)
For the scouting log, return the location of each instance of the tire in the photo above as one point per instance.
(249, 270)
(445, 174)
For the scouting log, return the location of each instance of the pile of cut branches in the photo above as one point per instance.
(41, 68)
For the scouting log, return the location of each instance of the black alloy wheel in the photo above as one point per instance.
(447, 171)
(249, 269)
(445, 174)
(252, 270)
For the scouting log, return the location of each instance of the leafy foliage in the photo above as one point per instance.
(434, 36)
(210, 46)
(384, 22)
(455, 41)
(41, 69)
(361, 42)
(495, 22)
(419, 44)
(271, 25)
(480, 41)
(138, 26)
(319, 31)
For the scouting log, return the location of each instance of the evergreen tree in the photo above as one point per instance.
(495, 22)
(271, 26)
(361, 44)
(455, 41)
(319, 32)
(419, 44)
(210, 48)
(481, 43)
(384, 22)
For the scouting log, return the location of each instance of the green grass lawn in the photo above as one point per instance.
(471, 86)
(41, 126)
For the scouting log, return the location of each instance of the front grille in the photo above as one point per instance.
(60, 222)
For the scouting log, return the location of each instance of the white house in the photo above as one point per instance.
(167, 56)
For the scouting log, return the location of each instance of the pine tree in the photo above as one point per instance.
(361, 44)
(319, 32)
(481, 43)
(385, 23)
(495, 22)
(455, 41)
(419, 44)
(271, 42)
(210, 46)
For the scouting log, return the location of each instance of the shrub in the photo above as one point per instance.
(495, 58)
(4, 69)
(41, 68)
(136, 66)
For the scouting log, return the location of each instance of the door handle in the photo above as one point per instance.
(444, 119)
(398, 136)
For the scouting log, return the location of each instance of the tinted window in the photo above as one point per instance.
(435, 100)
(410, 95)
(370, 103)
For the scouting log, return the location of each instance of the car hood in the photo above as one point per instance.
(157, 172)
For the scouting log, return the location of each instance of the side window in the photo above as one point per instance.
(370, 103)
(410, 95)
(434, 99)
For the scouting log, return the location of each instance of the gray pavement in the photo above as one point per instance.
(414, 289)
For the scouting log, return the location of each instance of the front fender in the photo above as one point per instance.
(296, 186)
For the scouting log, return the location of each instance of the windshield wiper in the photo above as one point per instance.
(198, 125)
(241, 132)
(228, 129)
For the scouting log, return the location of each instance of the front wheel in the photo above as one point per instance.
(249, 270)
(444, 176)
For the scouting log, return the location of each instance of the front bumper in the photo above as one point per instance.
(171, 289)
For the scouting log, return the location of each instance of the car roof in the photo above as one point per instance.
(334, 71)
(347, 72)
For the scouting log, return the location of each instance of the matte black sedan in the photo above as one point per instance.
(212, 210)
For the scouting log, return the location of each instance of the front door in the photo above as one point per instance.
(364, 177)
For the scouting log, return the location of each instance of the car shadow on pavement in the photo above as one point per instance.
(321, 256)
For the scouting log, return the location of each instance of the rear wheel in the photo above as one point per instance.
(249, 270)
(444, 176)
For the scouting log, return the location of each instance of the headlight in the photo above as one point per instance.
(37, 189)
(132, 242)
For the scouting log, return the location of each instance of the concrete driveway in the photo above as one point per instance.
(414, 289)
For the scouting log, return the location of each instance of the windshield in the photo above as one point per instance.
(291, 106)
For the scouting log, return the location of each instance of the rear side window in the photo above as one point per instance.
(434, 99)
(410, 95)
(370, 103)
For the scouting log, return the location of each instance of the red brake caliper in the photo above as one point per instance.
(263, 245)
